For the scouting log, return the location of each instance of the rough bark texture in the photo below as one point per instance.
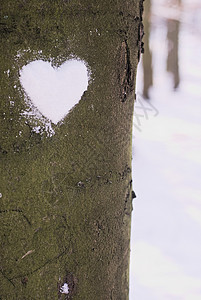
(66, 199)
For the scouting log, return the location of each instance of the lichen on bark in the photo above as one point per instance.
(66, 199)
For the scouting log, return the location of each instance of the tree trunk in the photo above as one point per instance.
(173, 27)
(147, 57)
(66, 198)
(173, 50)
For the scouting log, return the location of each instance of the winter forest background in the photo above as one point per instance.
(166, 221)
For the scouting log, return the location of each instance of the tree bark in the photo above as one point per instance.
(66, 199)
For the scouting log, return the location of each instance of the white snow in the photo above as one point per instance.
(166, 221)
(54, 91)
(64, 289)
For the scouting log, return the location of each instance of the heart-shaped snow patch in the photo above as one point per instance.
(54, 91)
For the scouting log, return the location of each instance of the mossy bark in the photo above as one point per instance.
(66, 199)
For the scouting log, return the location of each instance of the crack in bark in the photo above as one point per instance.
(8, 279)
(140, 31)
(126, 78)
(128, 200)
(42, 266)
(16, 210)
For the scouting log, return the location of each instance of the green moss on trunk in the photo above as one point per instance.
(66, 199)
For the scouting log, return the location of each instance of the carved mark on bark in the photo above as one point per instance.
(140, 31)
(49, 261)
(8, 279)
(18, 211)
(126, 74)
(128, 200)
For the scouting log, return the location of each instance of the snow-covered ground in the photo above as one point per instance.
(166, 221)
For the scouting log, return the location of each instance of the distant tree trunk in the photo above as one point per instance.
(66, 199)
(173, 48)
(147, 57)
